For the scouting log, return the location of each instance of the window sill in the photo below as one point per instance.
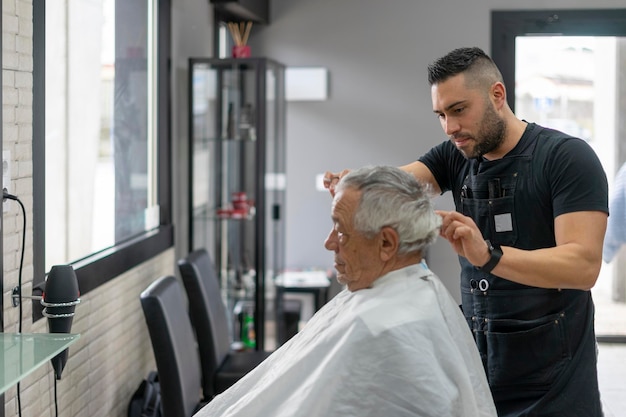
(104, 266)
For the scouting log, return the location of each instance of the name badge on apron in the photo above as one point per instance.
(503, 222)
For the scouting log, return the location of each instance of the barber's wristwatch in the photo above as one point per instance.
(496, 253)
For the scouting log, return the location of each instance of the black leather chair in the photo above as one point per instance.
(174, 346)
(221, 366)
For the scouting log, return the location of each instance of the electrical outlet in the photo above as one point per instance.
(6, 178)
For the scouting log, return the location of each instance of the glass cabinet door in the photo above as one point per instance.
(237, 182)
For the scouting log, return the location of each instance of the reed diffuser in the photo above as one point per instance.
(240, 33)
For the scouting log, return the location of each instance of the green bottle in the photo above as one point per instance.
(248, 336)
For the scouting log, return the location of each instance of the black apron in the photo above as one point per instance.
(537, 345)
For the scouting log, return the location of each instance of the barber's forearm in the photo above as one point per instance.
(568, 266)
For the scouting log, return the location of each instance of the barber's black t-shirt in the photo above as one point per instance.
(565, 176)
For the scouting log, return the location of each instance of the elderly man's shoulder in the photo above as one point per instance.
(420, 301)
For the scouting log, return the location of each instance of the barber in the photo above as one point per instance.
(531, 214)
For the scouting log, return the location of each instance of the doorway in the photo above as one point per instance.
(570, 83)
(565, 70)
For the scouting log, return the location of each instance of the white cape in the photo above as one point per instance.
(400, 348)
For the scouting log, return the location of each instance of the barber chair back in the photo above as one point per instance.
(221, 367)
(174, 346)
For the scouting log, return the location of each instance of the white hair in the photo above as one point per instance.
(392, 197)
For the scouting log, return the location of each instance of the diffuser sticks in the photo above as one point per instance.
(240, 33)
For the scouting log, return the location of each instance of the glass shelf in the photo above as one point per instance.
(22, 353)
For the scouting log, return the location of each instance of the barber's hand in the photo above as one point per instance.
(332, 178)
(464, 236)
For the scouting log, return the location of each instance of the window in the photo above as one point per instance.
(100, 136)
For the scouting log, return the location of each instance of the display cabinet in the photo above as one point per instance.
(237, 182)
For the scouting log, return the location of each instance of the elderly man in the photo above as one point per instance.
(394, 343)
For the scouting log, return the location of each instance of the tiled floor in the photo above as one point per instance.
(612, 378)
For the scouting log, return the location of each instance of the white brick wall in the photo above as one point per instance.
(114, 352)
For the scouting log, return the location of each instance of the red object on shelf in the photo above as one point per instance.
(241, 202)
(239, 208)
(241, 51)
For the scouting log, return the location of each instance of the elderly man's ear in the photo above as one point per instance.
(389, 241)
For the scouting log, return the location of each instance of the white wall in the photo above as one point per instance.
(379, 108)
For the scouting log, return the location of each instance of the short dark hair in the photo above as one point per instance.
(471, 60)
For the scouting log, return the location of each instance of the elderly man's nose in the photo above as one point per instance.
(331, 241)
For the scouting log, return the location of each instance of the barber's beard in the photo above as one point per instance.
(491, 134)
